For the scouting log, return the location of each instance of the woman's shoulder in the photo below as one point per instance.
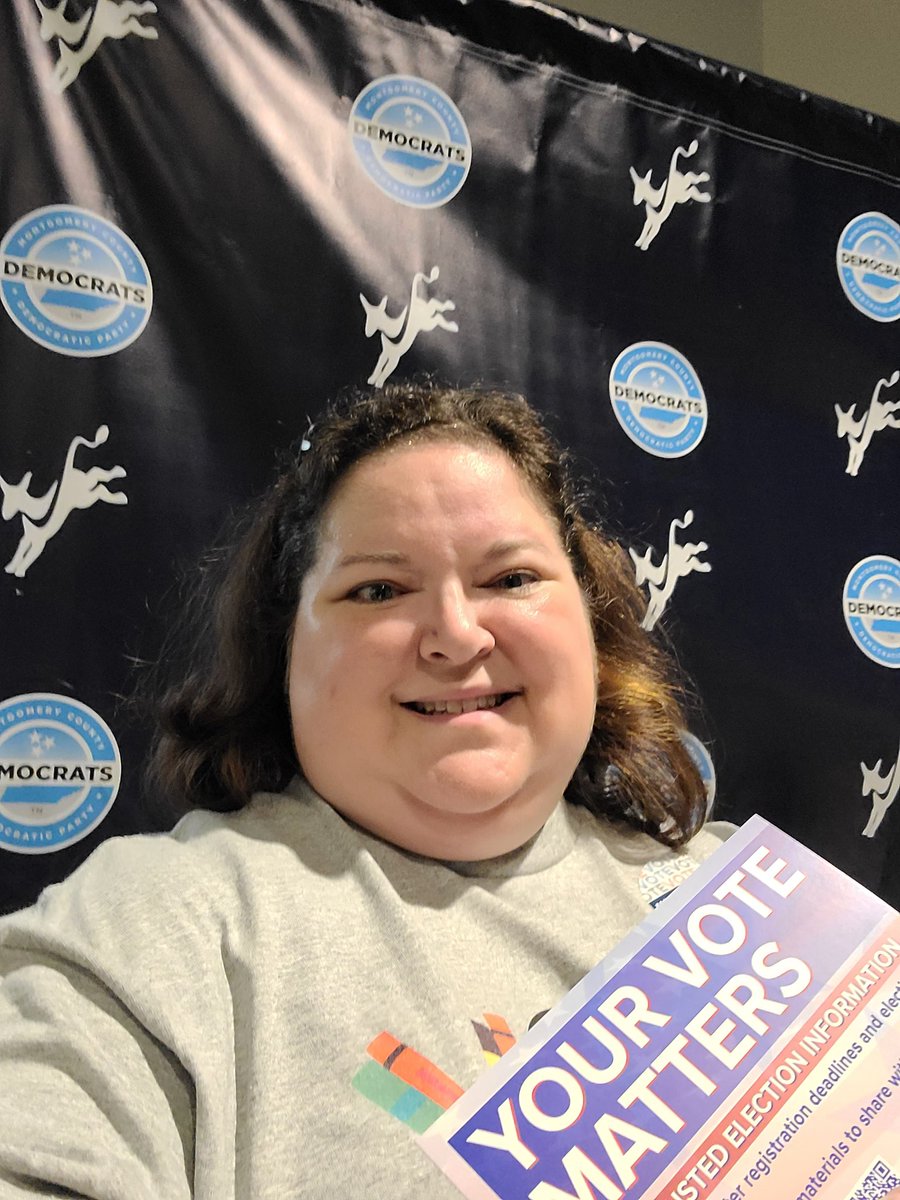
(633, 847)
(202, 875)
(708, 839)
(644, 866)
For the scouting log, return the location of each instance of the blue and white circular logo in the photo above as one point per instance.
(411, 140)
(658, 400)
(59, 772)
(704, 764)
(868, 263)
(73, 282)
(872, 608)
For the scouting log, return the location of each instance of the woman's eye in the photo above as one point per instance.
(513, 580)
(374, 593)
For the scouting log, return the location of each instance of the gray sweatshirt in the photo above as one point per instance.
(268, 1004)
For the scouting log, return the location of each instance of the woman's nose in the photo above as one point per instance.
(453, 630)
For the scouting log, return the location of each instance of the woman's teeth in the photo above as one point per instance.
(455, 707)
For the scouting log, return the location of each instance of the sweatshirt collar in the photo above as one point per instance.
(549, 846)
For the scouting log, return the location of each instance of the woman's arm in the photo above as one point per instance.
(89, 1100)
(116, 1033)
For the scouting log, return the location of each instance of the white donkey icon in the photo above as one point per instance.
(108, 19)
(860, 431)
(883, 791)
(74, 489)
(678, 188)
(420, 314)
(677, 562)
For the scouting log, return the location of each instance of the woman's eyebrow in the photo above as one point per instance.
(513, 546)
(393, 558)
(388, 557)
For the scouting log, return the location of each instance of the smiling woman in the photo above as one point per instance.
(438, 772)
(465, 668)
(425, 502)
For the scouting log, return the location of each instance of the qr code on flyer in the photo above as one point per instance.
(880, 1180)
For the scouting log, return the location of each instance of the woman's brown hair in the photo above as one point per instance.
(224, 728)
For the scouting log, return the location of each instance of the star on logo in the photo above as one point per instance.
(37, 748)
(40, 743)
(78, 254)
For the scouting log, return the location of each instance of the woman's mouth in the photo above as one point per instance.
(452, 708)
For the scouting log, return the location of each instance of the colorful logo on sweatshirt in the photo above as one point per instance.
(406, 1084)
(59, 772)
(411, 140)
(73, 282)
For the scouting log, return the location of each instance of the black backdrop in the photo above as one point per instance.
(217, 214)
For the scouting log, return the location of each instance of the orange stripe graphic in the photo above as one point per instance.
(413, 1068)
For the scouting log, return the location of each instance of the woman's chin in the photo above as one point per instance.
(469, 823)
(465, 794)
(452, 814)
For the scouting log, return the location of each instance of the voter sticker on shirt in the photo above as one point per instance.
(662, 876)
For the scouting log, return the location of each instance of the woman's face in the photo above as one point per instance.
(442, 676)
